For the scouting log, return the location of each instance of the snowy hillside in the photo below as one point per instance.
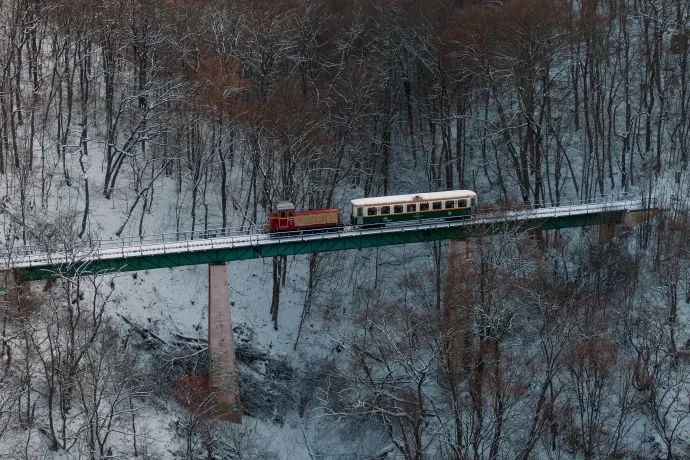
(123, 120)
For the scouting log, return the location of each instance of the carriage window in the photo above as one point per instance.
(474, 202)
(423, 206)
(291, 213)
(411, 208)
(282, 214)
(450, 204)
(385, 209)
(398, 208)
(463, 203)
(436, 205)
(359, 212)
(371, 211)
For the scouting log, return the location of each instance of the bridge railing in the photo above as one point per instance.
(257, 231)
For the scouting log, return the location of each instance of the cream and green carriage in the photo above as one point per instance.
(453, 204)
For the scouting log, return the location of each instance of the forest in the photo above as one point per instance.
(127, 118)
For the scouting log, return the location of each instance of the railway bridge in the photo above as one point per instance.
(217, 247)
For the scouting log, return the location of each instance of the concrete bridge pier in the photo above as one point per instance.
(221, 345)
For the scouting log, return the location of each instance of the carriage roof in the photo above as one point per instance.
(285, 206)
(431, 196)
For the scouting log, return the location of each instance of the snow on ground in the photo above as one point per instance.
(174, 301)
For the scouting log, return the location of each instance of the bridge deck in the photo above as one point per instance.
(108, 256)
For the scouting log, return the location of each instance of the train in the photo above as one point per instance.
(375, 211)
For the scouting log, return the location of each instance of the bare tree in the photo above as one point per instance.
(107, 383)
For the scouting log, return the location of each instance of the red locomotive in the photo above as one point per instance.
(286, 219)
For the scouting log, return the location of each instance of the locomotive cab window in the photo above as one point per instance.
(450, 204)
(371, 211)
(282, 214)
(385, 209)
(398, 209)
(411, 208)
(291, 213)
(423, 206)
(463, 203)
(436, 205)
(474, 202)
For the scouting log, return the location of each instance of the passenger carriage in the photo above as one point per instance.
(453, 204)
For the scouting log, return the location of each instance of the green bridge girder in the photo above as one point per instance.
(272, 247)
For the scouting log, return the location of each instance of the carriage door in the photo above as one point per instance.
(282, 221)
(286, 220)
(360, 218)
